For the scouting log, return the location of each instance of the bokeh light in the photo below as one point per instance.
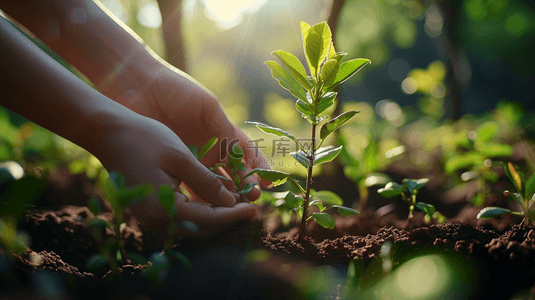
(149, 15)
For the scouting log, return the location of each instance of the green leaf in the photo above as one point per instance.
(273, 130)
(286, 80)
(391, 190)
(491, 212)
(514, 176)
(515, 196)
(324, 219)
(166, 196)
(326, 154)
(306, 110)
(530, 187)
(305, 28)
(426, 208)
(328, 197)
(117, 179)
(99, 223)
(207, 146)
(415, 184)
(329, 72)
(326, 101)
(294, 66)
(292, 200)
(194, 151)
(491, 150)
(465, 160)
(277, 177)
(486, 132)
(301, 158)
(374, 179)
(128, 196)
(316, 203)
(96, 261)
(344, 211)
(94, 206)
(248, 187)
(338, 56)
(348, 69)
(317, 46)
(235, 158)
(336, 123)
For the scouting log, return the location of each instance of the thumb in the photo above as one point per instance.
(206, 184)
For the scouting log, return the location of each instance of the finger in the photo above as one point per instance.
(204, 183)
(211, 220)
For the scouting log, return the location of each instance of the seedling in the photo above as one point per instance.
(20, 194)
(112, 251)
(474, 155)
(314, 93)
(393, 189)
(525, 196)
(161, 262)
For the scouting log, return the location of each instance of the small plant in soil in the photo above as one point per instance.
(27, 190)
(112, 250)
(525, 196)
(236, 164)
(393, 189)
(474, 154)
(315, 94)
(159, 263)
(365, 171)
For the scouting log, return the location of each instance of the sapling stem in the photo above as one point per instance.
(309, 182)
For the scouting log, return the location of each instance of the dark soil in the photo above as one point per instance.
(262, 260)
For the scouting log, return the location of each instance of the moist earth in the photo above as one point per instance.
(261, 259)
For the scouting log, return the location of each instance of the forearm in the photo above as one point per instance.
(37, 87)
(88, 37)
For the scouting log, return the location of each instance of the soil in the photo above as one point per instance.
(262, 260)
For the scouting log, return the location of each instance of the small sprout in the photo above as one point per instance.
(525, 196)
(411, 186)
(120, 197)
(315, 94)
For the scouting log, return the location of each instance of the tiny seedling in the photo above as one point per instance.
(236, 164)
(393, 189)
(20, 194)
(525, 196)
(161, 262)
(315, 94)
(120, 197)
(473, 154)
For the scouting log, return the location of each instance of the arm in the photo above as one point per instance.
(140, 148)
(124, 69)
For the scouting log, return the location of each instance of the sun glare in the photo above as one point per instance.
(228, 14)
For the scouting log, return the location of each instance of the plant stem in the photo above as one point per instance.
(309, 182)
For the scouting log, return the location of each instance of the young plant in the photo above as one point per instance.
(315, 94)
(473, 154)
(235, 164)
(19, 194)
(166, 196)
(393, 189)
(161, 262)
(112, 251)
(525, 196)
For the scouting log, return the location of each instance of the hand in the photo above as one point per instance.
(146, 151)
(192, 112)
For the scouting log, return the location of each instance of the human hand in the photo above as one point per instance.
(192, 112)
(146, 151)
